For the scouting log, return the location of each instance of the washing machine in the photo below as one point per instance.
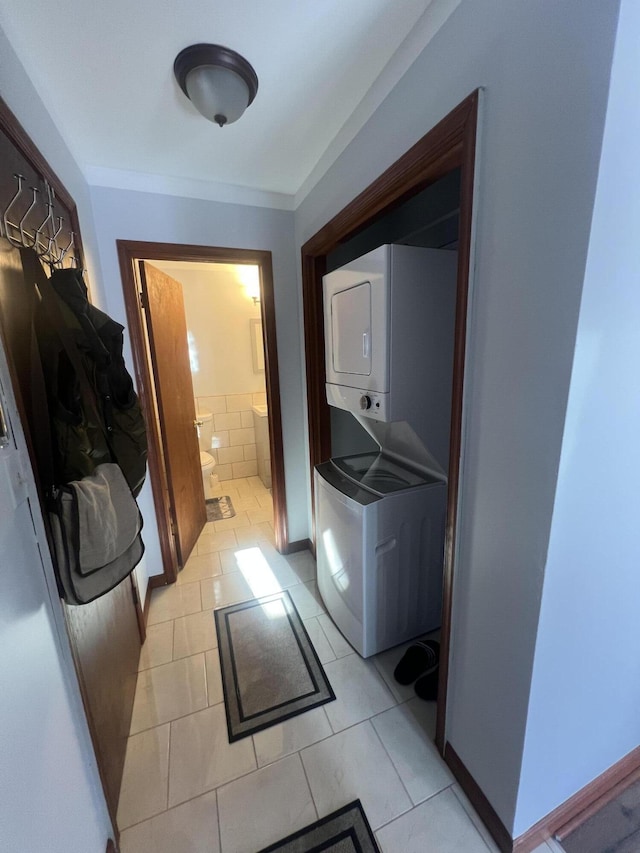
(379, 547)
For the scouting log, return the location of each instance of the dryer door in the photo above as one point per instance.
(356, 323)
(351, 330)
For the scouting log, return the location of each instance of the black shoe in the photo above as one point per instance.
(426, 686)
(419, 659)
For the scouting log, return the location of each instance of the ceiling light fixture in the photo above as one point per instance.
(218, 81)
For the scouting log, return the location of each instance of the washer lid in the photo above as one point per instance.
(380, 474)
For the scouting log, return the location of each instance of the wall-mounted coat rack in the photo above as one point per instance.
(18, 225)
(36, 210)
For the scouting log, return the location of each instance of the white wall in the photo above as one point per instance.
(158, 218)
(52, 798)
(545, 68)
(218, 314)
(585, 695)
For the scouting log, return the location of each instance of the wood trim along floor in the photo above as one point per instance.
(481, 804)
(139, 608)
(597, 804)
(299, 545)
(582, 805)
(147, 600)
(561, 821)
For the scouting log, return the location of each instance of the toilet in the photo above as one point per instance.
(204, 421)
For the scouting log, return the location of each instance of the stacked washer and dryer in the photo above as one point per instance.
(380, 517)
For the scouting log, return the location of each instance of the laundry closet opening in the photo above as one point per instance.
(389, 299)
(203, 335)
(424, 199)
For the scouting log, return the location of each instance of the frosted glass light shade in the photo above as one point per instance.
(218, 93)
(218, 81)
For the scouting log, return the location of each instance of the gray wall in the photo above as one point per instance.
(120, 214)
(585, 695)
(545, 68)
(52, 796)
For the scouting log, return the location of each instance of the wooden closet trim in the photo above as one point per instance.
(449, 145)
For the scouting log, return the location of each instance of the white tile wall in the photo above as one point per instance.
(217, 405)
(230, 421)
(242, 436)
(231, 454)
(234, 440)
(239, 402)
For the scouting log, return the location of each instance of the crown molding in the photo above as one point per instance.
(99, 176)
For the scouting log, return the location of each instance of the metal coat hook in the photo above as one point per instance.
(44, 239)
(23, 234)
(67, 248)
(5, 217)
(52, 249)
(46, 222)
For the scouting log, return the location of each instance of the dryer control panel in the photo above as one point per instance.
(360, 400)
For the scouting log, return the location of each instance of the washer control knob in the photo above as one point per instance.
(365, 401)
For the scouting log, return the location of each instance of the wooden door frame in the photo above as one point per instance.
(129, 253)
(449, 145)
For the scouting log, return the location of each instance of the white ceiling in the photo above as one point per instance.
(105, 71)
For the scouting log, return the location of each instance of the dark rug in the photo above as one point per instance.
(270, 670)
(613, 829)
(219, 508)
(344, 831)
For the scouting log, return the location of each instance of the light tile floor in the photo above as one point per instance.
(187, 790)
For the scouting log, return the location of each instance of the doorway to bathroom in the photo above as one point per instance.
(221, 306)
(202, 324)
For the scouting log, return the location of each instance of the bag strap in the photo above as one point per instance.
(54, 314)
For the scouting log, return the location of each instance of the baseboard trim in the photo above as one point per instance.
(597, 804)
(154, 582)
(298, 545)
(583, 804)
(481, 804)
(561, 821)
(147, 602)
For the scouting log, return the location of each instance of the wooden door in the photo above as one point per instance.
(167, 324)
(104, 635)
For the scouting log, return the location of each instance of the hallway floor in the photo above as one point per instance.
(187, 790)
